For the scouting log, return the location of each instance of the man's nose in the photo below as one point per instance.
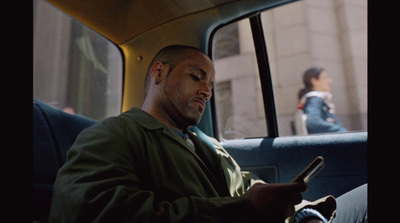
(205, 91)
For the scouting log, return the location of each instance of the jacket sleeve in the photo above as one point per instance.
(101, 183)
(316, 122)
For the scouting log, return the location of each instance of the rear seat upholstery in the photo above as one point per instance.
(54, 132)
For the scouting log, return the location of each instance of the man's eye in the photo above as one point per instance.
(195, 78)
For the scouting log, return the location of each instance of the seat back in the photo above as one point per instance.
(54, 132)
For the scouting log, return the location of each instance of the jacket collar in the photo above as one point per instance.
(144, 119)
(148, 122)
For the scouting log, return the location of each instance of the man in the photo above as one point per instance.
(146, 166)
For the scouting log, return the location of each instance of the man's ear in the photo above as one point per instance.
(157, 71)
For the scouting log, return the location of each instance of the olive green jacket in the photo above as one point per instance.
(132, 168)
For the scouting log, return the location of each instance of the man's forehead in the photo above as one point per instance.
(200, 62)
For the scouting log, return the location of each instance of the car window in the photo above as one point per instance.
(319, 34)
(75, 69)
(237, 89)
(299, 36)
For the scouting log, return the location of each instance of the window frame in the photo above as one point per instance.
(264, 71)
(265, 75)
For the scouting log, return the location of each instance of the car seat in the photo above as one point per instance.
(54, 132)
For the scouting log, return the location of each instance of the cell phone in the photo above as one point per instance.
(311, 170)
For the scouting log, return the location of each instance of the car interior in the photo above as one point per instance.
(139, 29)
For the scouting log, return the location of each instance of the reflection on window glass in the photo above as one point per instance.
(237, 91)
(75, 69)
(319, 47)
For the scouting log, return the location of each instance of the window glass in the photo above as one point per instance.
(75, 69)
(319, 34)
(301, 35)
(237, 89)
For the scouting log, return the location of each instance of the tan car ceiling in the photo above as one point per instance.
(122, 20)
(140, 32)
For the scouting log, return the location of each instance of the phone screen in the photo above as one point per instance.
(311, 170)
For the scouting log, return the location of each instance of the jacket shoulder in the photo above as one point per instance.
(314, 102)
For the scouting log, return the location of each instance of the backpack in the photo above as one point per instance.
(300, 122)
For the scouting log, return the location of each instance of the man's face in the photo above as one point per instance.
(187, 88)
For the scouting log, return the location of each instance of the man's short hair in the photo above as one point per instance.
(171, 55)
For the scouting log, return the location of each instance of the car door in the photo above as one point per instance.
(259, 64)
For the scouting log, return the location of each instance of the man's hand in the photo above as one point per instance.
(275, 202)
